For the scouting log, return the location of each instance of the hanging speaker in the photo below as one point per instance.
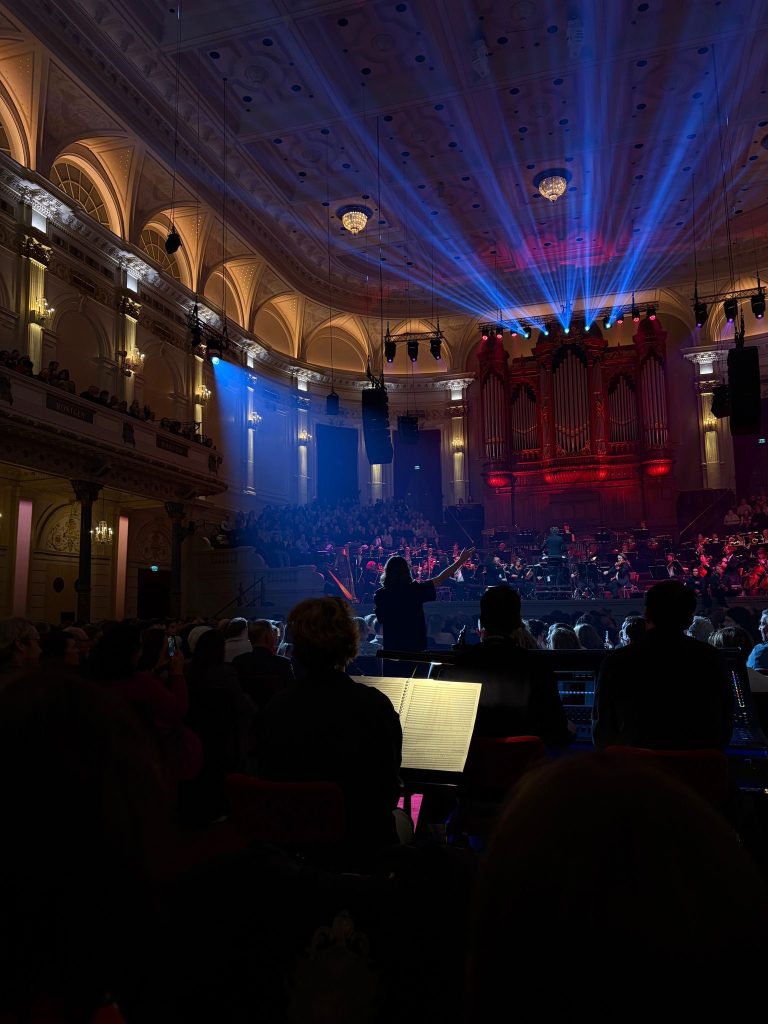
(378, 441)
(744, 388)
(408, 429)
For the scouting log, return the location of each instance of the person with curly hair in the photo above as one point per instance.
(327, 727)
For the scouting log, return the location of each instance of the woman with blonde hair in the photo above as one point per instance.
(327, 727)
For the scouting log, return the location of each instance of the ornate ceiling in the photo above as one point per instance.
(438, 115)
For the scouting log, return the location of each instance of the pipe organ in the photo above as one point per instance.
(577, 431)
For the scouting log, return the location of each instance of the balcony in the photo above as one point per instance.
(46, 428)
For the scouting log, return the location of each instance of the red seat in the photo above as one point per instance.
(704, 771)
(493, 767)
(293, 814)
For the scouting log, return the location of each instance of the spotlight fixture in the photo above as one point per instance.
(651, 312)
(758, 304)
(173, 241)
(499, 332)
(619, 319)
(412, 348)
(434, 346)
(635, 315)
(701, 312)
(607, 323)
(545, 331)
(332, 402)
(485, 333)
(214, 351)
(552, 183)
(587, 325)
(354, 218)
(730, 308)
(390, 349)
(526, 332)
(567, 329)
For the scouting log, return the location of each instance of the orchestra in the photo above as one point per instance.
(558, 564)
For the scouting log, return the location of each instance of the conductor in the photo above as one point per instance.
(554, 545)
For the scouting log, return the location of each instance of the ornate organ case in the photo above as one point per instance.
(577, 432)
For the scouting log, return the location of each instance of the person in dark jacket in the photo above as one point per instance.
(399, 604)
(326, 727)
(519, 695)
(261, 671)
(667, 691)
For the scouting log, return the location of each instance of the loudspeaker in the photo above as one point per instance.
(744, 386)
(408, 429)
(378, 441)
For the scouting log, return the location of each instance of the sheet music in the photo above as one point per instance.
(393, 686)
(437, 718)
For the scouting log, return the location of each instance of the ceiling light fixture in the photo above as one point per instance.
(700, 310)
(435, 346)
(758, 303)
(354, 218)
(390, 349)
(552, 183)
(651, 312)
(499, 333)
(412, 348)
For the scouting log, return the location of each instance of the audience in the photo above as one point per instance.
(261, 671)
(237, 641)
(758, 657)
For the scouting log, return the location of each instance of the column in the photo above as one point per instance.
(175, 512)
(716, 446)
(32, 302)
(21, 561)
(86, 493)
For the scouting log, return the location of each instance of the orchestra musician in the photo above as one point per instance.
(622, 575)
(674, 568)
(555, 545)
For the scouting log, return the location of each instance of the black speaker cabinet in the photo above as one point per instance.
(408, 429)
(744, 387)
(378, 441)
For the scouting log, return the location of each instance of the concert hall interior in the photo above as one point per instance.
(290, 288)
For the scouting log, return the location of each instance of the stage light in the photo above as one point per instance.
(758, 304)
(651, 312)
(485, 335)
(607, 323)
(214, 351)
(619, 319)
(215, 359)
(390, 350)
(567, 330)
(700, 312)
(635, 315)
(499, 333)
(545, 331)
(434, 346)
(412, 348)
(513, 334)
(587, 325)
(731, 309)
(526, 332)
(173, 241)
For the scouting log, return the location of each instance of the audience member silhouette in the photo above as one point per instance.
(327, 727)
(667, 691)
(636, 869)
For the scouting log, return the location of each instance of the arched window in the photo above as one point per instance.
(153, 244)
(75, 183)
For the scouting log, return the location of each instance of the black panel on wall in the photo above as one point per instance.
(336, 464)
(744, 385)
(418, 476)
(376, 433)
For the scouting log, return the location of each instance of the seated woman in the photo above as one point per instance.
(326, 727)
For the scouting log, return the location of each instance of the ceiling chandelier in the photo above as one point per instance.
(102, 532)
(552, 183)
(354, 218)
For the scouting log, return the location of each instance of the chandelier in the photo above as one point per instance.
(354, 218)
(134, 360)
(102, 533)
(552, 183)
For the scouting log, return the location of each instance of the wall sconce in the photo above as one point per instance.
(42, 312)
(134, 360)
(304, 437)
(203, 395)
(253, 421)
(457, 445)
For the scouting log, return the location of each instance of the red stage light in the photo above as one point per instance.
(662, 468)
